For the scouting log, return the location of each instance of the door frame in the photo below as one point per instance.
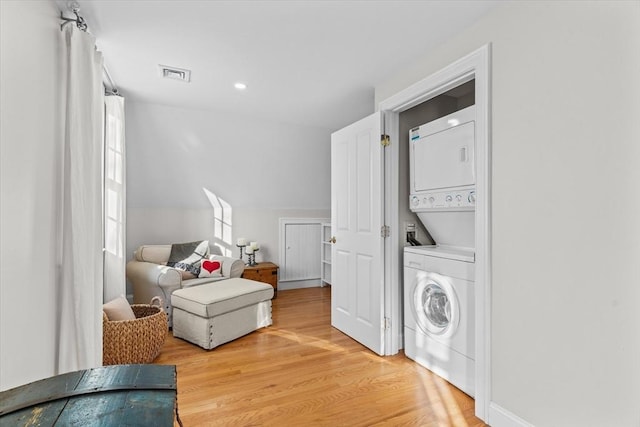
(475, 64)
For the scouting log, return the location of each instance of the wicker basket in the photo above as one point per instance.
(135, 341)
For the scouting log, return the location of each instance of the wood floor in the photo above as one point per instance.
(302, 372)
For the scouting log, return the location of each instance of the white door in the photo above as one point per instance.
(357, 268)
(302, 252)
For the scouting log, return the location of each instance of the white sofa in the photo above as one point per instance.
(150, 277)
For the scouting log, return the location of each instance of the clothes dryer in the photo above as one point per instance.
(439, 312)
(442, 177)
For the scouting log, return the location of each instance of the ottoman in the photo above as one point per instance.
(215, 313)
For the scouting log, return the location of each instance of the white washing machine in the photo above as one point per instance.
(439, 312)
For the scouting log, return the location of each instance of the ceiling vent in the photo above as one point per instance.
(175, 73)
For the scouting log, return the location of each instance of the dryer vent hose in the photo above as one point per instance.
(412, 239)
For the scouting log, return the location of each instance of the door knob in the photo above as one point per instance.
(332, 239)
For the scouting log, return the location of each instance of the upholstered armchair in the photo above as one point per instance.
(150, 276)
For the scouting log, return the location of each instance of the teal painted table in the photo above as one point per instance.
(131, 395)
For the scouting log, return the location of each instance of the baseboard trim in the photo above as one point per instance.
(298, 284)
(500, 417)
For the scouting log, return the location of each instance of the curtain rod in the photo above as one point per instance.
(114, 88)
(82, 25)
(79, 20)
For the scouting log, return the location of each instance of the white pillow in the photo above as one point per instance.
(118, 309)
(210, 268)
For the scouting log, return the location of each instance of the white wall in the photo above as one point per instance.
(566, 229)
(263, 170)
(29, 140)
(258, 224)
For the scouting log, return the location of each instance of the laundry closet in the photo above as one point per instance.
(437, 140)
(410, 224)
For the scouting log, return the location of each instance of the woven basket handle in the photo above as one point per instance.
(158, 302)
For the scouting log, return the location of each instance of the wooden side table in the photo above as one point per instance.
(266, 272)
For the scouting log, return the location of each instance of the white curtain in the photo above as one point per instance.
(81, 279)
(114, 198)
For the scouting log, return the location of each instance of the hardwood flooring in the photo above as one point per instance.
(302, 372)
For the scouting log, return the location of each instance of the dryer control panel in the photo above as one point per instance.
(444, 200)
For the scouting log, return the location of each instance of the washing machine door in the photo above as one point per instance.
(435, 304)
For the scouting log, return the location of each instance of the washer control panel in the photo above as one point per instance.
(445, 199)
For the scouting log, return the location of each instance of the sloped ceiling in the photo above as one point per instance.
(313, 63)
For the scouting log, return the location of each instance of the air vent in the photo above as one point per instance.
(175, 73)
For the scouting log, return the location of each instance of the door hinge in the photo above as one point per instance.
(386, 323)
(385, 231)
(385, 140)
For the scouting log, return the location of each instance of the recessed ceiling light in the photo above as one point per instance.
(240, 86)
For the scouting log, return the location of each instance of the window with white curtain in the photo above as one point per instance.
(114, 198)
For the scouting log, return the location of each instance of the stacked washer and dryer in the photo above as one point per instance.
(439, 301)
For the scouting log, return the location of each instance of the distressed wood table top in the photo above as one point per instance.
(106, 396)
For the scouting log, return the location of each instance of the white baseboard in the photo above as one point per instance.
(298, 284)
(500, 417)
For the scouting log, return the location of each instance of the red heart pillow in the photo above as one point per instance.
(210, 268)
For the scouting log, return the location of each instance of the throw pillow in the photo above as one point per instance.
(118, 309)
(187, 257)
(210, 268)
(186, 275)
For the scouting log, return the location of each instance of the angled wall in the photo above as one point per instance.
(182, 162)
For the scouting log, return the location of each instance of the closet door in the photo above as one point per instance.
(357, 261)
(302, 252)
